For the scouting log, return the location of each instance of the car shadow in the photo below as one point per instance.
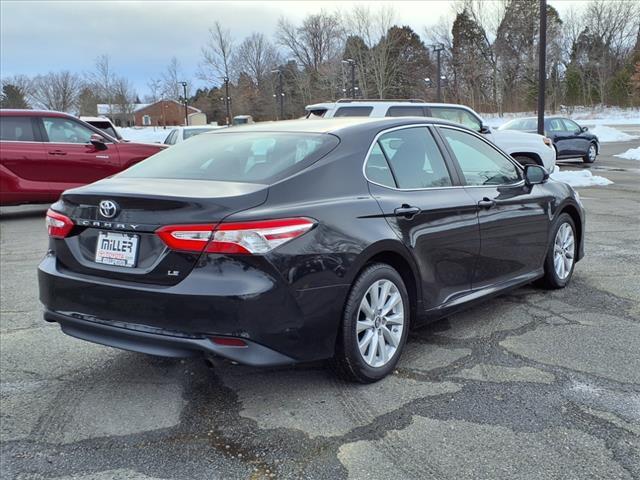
(17, 213)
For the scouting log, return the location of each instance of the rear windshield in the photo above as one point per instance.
(249, 157)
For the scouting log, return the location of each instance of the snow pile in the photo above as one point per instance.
(608, 134)
(587, 116)
(579, 178)
(144, 134)
(631, 154)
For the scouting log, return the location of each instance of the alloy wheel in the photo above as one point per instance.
(380, 323)
(563, 251)
(592, 153)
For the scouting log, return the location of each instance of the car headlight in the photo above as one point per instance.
(547, 141)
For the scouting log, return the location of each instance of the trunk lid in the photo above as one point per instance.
(141, 207)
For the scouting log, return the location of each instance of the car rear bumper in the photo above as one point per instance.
(164, 344)
(221, 297)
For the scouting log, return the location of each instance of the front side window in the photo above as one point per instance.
(16, 129)
(171, 138)
(457, 115)
(252, 157)
(571, 126)
(405, 111)
(63, 130)
(353, 112)
(414, 158)
(481, 164)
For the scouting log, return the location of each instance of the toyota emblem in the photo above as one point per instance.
(108, 208)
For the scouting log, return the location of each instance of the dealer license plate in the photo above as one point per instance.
(120, 249)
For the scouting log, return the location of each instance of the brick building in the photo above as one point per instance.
(164, 112)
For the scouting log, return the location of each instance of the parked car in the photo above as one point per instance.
(180, 134)
(526, 148)
(298, 240)
(104, 124)
(569, 139)
(43, 153)
(242, 120)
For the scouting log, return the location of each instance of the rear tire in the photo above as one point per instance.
(561, 253)
(375, 325)
(592, 153)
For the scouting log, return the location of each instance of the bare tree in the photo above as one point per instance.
(57, 91)
(318, 40)
(256, 57)
(102, 79)
(124, 96)
(171, 78)
(155, 90)
(217, 55)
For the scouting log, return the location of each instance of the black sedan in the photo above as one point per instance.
(569, 139)
(296, 241)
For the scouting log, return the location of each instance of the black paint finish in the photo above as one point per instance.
(450, 250)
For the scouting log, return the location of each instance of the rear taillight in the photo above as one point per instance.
(58, 225)
(242, 238)
(188, 238)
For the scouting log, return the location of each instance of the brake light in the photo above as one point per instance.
(189, 238)
(240, 238)
(58, 225)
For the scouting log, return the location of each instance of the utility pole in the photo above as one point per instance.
(280, 93)
(438, 49)
(542, 65)
(351, 62)
(186, 108)
(227, 99)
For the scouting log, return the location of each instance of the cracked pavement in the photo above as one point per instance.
(529, 385)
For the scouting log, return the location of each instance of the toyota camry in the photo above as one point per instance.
(302, 240)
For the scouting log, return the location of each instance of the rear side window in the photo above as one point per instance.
(251, 157)
(377, 169)
(405, 111)
(353, 112)
(414, 158)
(16, 129)
(457, 115)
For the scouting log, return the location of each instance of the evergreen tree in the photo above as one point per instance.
(12, 97)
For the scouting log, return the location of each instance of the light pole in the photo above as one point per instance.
(352, 63)
(186, 108)
(542, 61)
(281, 92)
(438, 48)
(227, 99)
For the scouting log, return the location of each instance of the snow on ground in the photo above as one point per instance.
(631, 154)
(589, 117)
(579, 178)
(609, 134)
(144, 134)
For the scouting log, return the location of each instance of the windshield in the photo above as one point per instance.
(520, 124)
(195, 131)
(256, 157)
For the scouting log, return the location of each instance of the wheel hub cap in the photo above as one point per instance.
(380, 323)
(564, 251)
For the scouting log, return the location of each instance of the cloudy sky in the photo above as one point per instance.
(142, 36)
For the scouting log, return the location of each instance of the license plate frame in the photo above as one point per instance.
(117, 249)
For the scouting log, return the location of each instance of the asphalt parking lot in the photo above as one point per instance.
(533, 384)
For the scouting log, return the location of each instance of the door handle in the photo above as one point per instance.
(57, 152)
(486, 203)
(406, 211)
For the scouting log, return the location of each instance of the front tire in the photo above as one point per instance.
(375, 325)
(561, 253)
(592, 153)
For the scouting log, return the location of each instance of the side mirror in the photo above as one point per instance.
(98, 142)
(485, 129)
(584, 129)
(535, 174)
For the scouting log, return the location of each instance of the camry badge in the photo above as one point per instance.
(108, 208)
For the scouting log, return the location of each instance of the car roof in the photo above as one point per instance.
(336, 126)
(383, 103)
(33, 113)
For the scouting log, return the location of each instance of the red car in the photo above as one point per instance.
(43, 153)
